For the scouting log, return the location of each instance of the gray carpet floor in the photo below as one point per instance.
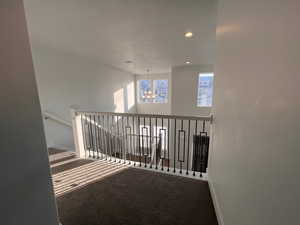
(137, 197)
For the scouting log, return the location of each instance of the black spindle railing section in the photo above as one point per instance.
(177, 144)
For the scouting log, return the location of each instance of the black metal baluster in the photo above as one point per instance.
(83, 132)
(99, 136)
(151, 151)
(87, 133)
(175, 132)
(101, 144)
(106, 132)
(108, 136)
(188, 152)
(131, 139)
(96, 135)
(163, 147)
(148, 143)
(121, 155)
(168, 145)
(87, 125)
(128, 139)
(145, 152)
(106, 126)
(206, 150)
(179, 147)
(109, 132)
(121, 139)
(113, 137)
(140, 158)
(124, 141)
(142, 145)
(134, 149)
(156, 147)
(91, 136)
(202, 144)
(194, 149)
(104, 137)
(118, 140)
(161, 144)
(94, 131)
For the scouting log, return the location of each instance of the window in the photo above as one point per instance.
(153, 91)
(144, 87)
(160, 91)
(205, 90)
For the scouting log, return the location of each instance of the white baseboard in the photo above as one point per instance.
(216, 203)
(178, 174)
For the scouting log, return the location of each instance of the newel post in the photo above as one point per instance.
(77, 132)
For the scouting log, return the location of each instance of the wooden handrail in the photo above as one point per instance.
(55, 118)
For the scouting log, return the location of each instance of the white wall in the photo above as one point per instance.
(67, 76)
(155, 108)
(185, 90)
(254, 168)
(26, 191)
(66, 79)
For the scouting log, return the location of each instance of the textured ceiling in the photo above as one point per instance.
(148, 32)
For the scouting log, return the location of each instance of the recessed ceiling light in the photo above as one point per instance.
(128, 61)
(187, 62)
(188, 34)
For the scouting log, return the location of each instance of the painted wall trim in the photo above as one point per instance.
(217, 207)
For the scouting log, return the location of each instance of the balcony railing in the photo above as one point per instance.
(167, 143)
